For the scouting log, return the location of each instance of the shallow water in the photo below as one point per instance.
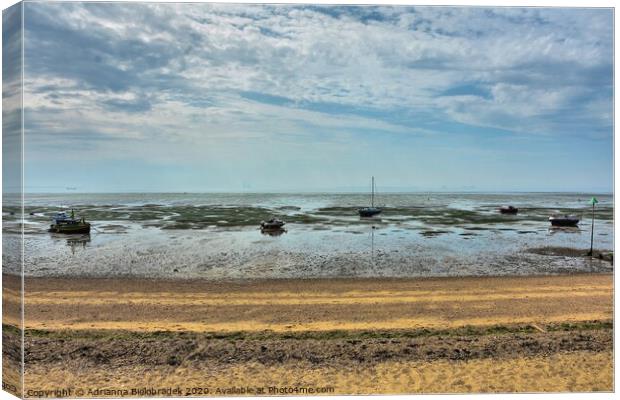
(216, 236)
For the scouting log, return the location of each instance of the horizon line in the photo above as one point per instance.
(328, 192)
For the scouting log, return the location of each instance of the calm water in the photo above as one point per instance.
(216, 236)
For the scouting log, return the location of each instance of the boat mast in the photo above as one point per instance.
(372, 196)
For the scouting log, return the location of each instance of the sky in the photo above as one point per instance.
(168, 97)
(11, 100)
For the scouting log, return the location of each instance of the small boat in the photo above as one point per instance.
(508, 210)
(272, 225)
(564, 220)
(372, 210)
(369, 211)
(63, 223)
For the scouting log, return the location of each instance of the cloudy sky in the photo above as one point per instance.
(201, 97)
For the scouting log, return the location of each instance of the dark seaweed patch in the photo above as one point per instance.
(433, 233)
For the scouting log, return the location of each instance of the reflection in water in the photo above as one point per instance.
(565, 229)
(273, 232)
(371, 219)
(78, 241)
(372, 244)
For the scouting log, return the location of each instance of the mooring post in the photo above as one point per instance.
(593, 201)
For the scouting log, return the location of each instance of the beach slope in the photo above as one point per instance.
(337, 336)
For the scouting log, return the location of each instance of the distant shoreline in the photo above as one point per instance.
(361, 191)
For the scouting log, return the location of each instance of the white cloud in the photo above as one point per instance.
(179, 69)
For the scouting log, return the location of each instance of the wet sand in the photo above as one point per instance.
(301, 305)
(472, 334)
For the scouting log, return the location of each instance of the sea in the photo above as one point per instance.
(216, 236)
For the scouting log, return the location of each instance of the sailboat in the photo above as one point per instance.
(372, 210)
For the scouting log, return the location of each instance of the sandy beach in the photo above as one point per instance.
(435, 335)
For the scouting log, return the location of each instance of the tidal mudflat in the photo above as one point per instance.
(216, 236)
